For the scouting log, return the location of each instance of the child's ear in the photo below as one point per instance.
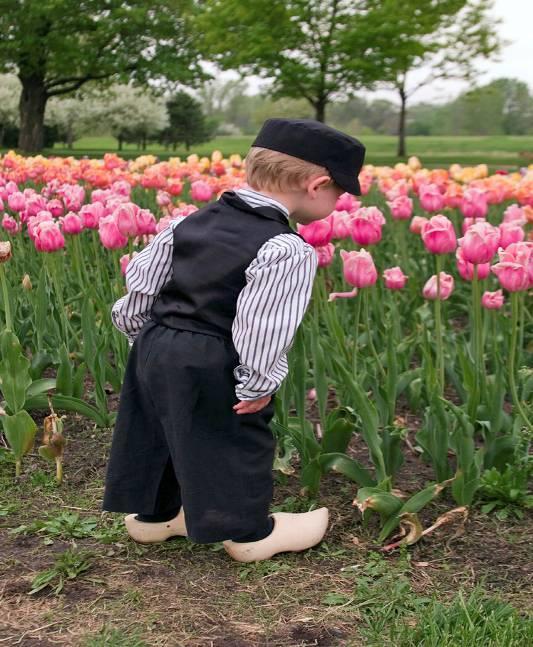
(319, 182)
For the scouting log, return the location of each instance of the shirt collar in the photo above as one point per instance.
(257, 199)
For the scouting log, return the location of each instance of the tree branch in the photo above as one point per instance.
(75, 86)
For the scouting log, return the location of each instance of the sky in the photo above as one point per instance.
(515, 60)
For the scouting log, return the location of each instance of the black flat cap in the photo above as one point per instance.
(313, 141)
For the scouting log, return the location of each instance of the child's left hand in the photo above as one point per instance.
(251, 406)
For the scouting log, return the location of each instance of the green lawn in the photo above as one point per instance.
(433, 151)
(496, 151)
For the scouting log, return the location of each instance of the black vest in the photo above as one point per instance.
(212, 249)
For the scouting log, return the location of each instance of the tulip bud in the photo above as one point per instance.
(5, 251)
(26, 282)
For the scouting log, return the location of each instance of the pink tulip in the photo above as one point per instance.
(100, 195)
(48, 236)
(366, 224)
(510, 232)
(515, 269)
(347, 202)
(55, 207)
(10, 224)
(468, 222)
(474, 203)
(184, 210)
(466, 269)
(163, 223)
(73, 196)
(146, 222)
(446, 287)
(340, 223)
(121, 187)
(34, 204)
(438, 235)
(163, 199)
(400, 188)
(311, 395)
(201, 191)
(401, 207)
(16, 201)
(431, 198)
(515, 214)
(480, 242)
(91, 214)
(395, 279)
(42, 216)
(71, 223)
(125, 260)
(417, 223)
(125, 217)
(110, 234)
(359, 269)
(492, 300)
(317, 233)
(325, 254)
(512, 276)
(11, 187)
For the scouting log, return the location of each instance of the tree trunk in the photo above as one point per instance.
(320, 109)
(119, 139)
(402, 152)
(70, 138)
(32, 105)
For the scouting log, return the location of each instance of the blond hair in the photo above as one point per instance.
(274, 171)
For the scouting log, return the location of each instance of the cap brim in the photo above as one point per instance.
(349, 183)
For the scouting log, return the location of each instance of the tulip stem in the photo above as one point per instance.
(522, 296)
(51, 260)
(5, 295)
(369, 333)
(477, 347)
(515, 304)
(438, 330)
(356, 332)
(402, 242)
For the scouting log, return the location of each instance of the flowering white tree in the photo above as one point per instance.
(131, 114)
(72, 116)
(10, 88)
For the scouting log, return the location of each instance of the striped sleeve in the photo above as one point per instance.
(146, 274)
(270, 308)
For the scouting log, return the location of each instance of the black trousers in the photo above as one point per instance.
(177, 440)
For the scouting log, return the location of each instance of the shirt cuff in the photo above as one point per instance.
(242, 374)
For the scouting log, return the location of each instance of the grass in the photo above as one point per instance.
(92, 586)
(497, 151)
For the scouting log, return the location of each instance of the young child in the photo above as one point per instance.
(212, 308)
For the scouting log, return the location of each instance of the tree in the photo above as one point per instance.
(72, 117)
(216, 95)
(502, 107)
(56, 46)
(131, 114)
(301, 45)
(446, 38)
(188, 125)
(9, 91)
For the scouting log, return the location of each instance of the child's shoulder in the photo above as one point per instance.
(286, 245)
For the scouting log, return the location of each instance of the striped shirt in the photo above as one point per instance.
(269, 308)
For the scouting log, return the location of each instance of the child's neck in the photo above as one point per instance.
(284, 198)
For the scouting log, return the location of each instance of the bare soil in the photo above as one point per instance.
(179, 593)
